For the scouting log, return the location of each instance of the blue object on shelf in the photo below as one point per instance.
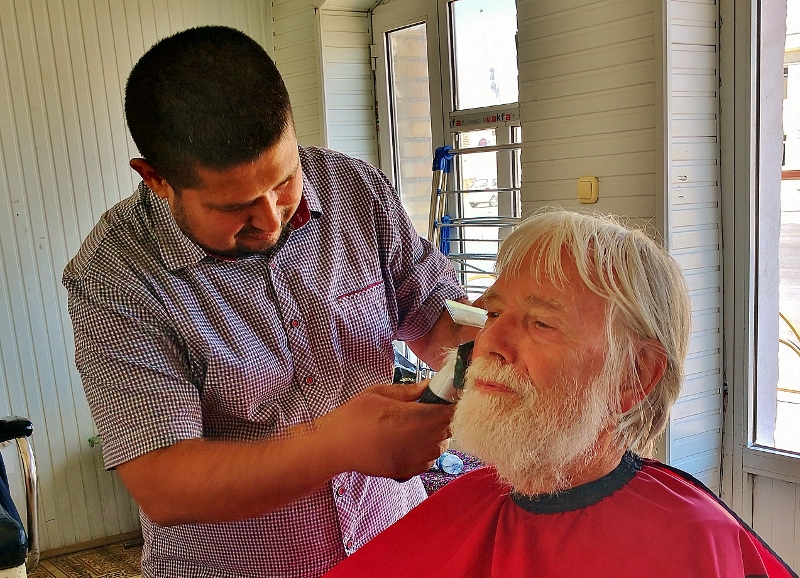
(449, 463)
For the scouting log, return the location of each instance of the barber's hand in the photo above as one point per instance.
(385, 432)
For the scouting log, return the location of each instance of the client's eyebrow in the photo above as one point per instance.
(552, 304)
(533, 301)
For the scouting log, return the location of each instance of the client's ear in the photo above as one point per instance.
(650, 365)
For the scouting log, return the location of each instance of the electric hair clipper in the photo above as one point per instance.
(448, 383)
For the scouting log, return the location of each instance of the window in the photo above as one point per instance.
(762, 460)
(407, 61)
(777, 389)
(783, 431)
(484, 51)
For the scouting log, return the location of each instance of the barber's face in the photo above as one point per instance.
(241, 210)
(535, 403)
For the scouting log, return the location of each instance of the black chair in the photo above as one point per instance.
(19, 552)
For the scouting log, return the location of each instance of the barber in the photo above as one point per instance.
(232, 317)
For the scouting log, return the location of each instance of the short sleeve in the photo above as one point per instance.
(137, 377)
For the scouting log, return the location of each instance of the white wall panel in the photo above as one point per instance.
(587, 103)
(776, 516)
(64, 151)
(692, 225)
(349, 89)
(297, 55)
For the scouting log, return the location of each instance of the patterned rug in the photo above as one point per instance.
(113, 561)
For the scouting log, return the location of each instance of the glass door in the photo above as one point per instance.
(408, 87)
(481, 111)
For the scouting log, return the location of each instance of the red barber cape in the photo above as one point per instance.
(644, 519)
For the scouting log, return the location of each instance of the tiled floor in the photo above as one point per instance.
(113, 561)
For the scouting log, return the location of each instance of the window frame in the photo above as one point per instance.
(741, 124)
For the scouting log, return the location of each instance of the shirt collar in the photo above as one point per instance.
(312, 201)
(176, 249)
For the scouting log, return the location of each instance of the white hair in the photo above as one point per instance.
(647, 299)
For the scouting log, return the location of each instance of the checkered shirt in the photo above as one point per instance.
(173, 344)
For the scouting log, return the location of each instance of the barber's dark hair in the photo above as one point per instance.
(207, 96)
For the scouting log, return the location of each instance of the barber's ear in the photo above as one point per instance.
(152, 178)
(651, 363)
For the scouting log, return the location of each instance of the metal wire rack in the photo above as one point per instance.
(469, 241)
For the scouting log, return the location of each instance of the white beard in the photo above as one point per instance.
(536, 447)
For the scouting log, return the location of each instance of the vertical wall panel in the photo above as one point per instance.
(349, 90)
(64, 150)
(587, 98)
(776, 516)
(692, 225)
(297, 57)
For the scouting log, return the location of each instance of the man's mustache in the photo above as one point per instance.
(495, 370)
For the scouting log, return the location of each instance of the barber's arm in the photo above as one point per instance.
(381, 432)
(149, 414)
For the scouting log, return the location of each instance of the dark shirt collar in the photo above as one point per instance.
(312, 201)
(584, 495)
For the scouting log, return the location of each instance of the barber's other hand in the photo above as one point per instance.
(385, 432)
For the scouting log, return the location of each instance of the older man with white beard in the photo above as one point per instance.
(571, 382)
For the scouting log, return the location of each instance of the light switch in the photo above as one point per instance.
(588, 189)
